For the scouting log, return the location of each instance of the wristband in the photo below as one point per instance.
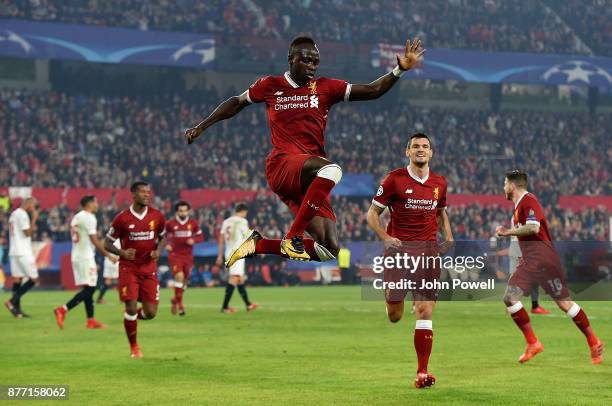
(397, 72)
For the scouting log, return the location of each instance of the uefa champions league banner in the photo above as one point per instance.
(25, 39)
(502, 67)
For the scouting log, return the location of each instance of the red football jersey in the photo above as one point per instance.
(534, 248)
(138, 231)
(297, 115)
(178, 232)
(413, 204)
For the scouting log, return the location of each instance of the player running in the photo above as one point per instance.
(182, 232)
(514, 258)
(416, 198)
(84, 230)
(110, 273)
(540, 265)
(23, 263)
(233, 231)
(141, 229)
(297, 169)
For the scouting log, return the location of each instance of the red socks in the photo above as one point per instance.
(272, 246)
(582, 322)
(521, 318)
(315, 196)
(130, 324)
(268, 246)
(423, 341)
(178, 294)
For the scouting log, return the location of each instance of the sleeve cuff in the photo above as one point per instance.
(382, 206)
(347, 92)
(246, 93)
(534, 222)
(110, 237)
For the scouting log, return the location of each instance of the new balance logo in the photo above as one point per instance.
(278, 93)
(408, 191)
(131, 226)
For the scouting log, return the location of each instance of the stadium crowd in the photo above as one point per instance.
(510, 25)
(84, 141)
(591, 20)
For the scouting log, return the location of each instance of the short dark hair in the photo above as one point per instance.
(517, 177)
(241, 207)
(180, 204)
(300, 41)
(419, 135)
(85, 200)
(136, 185)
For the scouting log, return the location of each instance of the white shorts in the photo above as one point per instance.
(237, 269)
(23, 266)
(85, 272)
(111, 271)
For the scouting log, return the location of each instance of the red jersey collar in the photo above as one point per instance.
(291, 81)
(415, 177)
(139, 216)
(520, 198)
(182, 222)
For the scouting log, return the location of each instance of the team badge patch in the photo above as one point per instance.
(313, 87)
(380, 191)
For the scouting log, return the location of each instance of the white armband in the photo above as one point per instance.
(397, 72)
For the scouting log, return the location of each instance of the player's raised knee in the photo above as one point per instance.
(332, 172)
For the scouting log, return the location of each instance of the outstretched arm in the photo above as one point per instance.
(225, 110)
(412, 56)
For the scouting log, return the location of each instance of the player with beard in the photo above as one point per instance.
(539, 265)
(182, 233)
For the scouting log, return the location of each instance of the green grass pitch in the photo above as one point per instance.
(305, 345)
